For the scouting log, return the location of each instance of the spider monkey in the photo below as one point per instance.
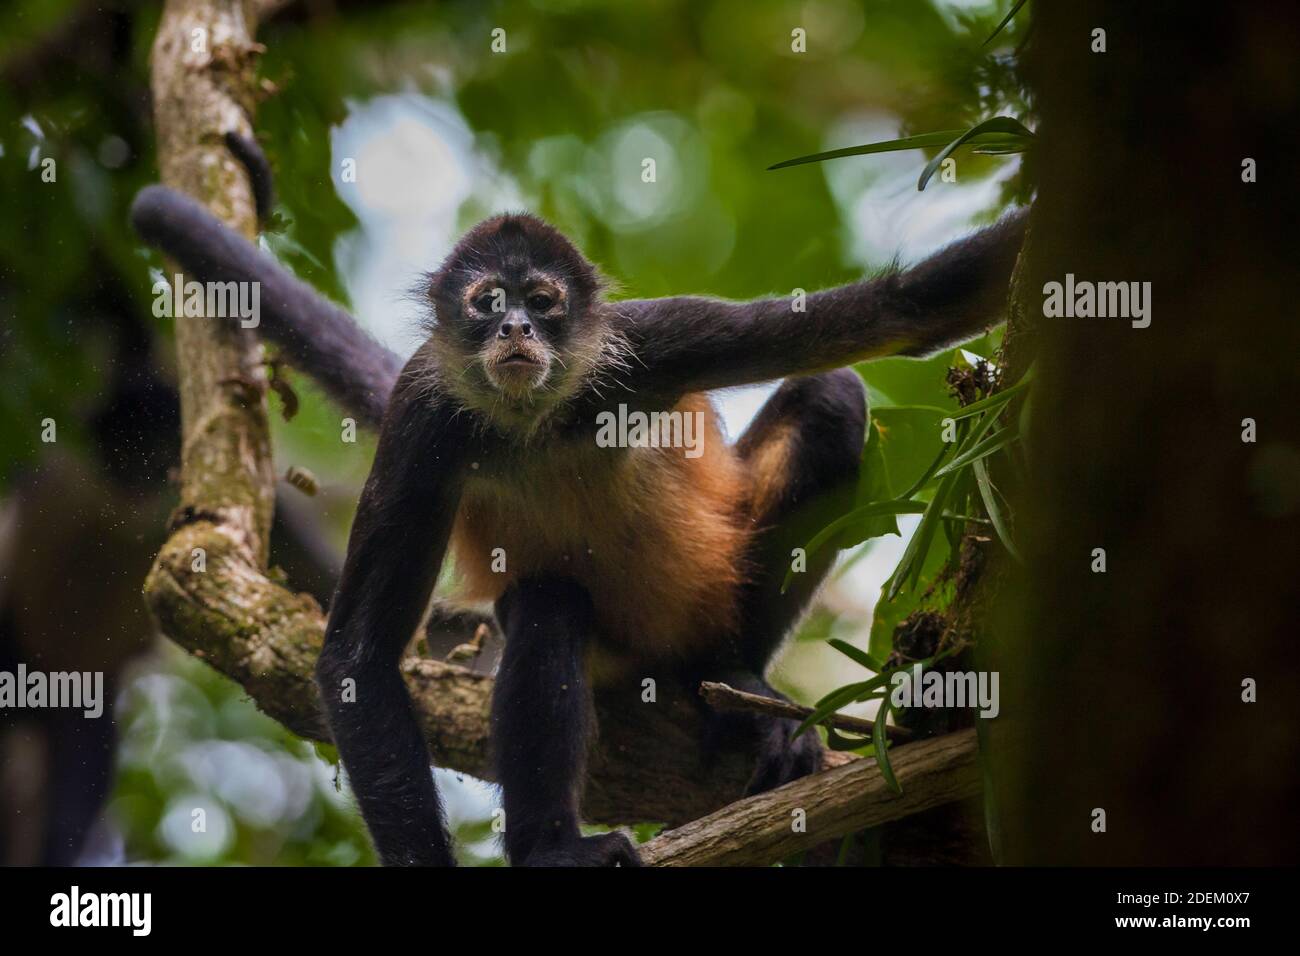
(603, 563)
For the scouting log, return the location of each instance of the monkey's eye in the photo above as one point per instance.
(540, 302)
(484, 302)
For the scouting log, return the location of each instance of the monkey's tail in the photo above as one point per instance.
(957, 292)
(316, 335)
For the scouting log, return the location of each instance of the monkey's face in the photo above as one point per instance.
(517, 326)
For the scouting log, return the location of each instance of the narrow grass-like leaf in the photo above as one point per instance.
(848, 694)
(882, 745)
(839, 741)
(920, 141)
(994, 150)
(857, 654)
(833, 702)
(877, 688)
(994, 510)
(983, 449)
(1015, 8)
(928, 473)
(846, 844)
(914, 555)
(998, 124)
(996, 400)
(845, 521)
(964, 519)
(952, 532)
(992, 818)
(936, 409)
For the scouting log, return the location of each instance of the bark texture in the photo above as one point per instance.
(825, 806)
(1128, 683)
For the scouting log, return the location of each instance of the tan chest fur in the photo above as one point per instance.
(656, 538)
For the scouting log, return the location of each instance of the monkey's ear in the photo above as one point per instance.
(433, 284)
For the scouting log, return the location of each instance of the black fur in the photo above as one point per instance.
(694, 344)
(823, 417)
(512, 244)
(394, 553)
(541, 717)
(542, 723)
(317, 335)
(259, 171)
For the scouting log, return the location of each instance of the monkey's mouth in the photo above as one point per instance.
(519, 358)
(517, 370)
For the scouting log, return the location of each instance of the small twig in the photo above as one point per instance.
(725, 697)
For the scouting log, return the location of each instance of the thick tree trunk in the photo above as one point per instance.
(1127, 685)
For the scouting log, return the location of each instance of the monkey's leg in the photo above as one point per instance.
(803, 451)
(541, 726)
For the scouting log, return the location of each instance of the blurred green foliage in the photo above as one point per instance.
(583, 85)
(204, 778)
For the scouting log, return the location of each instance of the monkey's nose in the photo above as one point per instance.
(507, 327)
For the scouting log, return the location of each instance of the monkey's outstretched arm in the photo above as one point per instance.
(317, 336)
(398, 540)
(688, 343)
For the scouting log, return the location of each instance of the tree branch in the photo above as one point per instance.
(836, 802)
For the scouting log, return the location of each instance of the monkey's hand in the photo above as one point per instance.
(605, 849)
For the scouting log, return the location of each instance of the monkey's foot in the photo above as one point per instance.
(779, 755)
(783, 757)
(605, 849)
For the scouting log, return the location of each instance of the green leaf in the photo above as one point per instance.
(920, 141)
(996, 400)
(928, 474)
(991, 150)
(992, 818)
(933, 410)
(831, 703)
(889, 613)
(845, 522)
(836, 699)
(857, 654)
(909, 566)
(873, 485)
(848, 694)
(1023, 419)
(1015, 8)
(998, 124)
(846, 844)
(993, 510)
(881, 745)
(983, 449)
(910, 442)
(952, 529)
(839, 741)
